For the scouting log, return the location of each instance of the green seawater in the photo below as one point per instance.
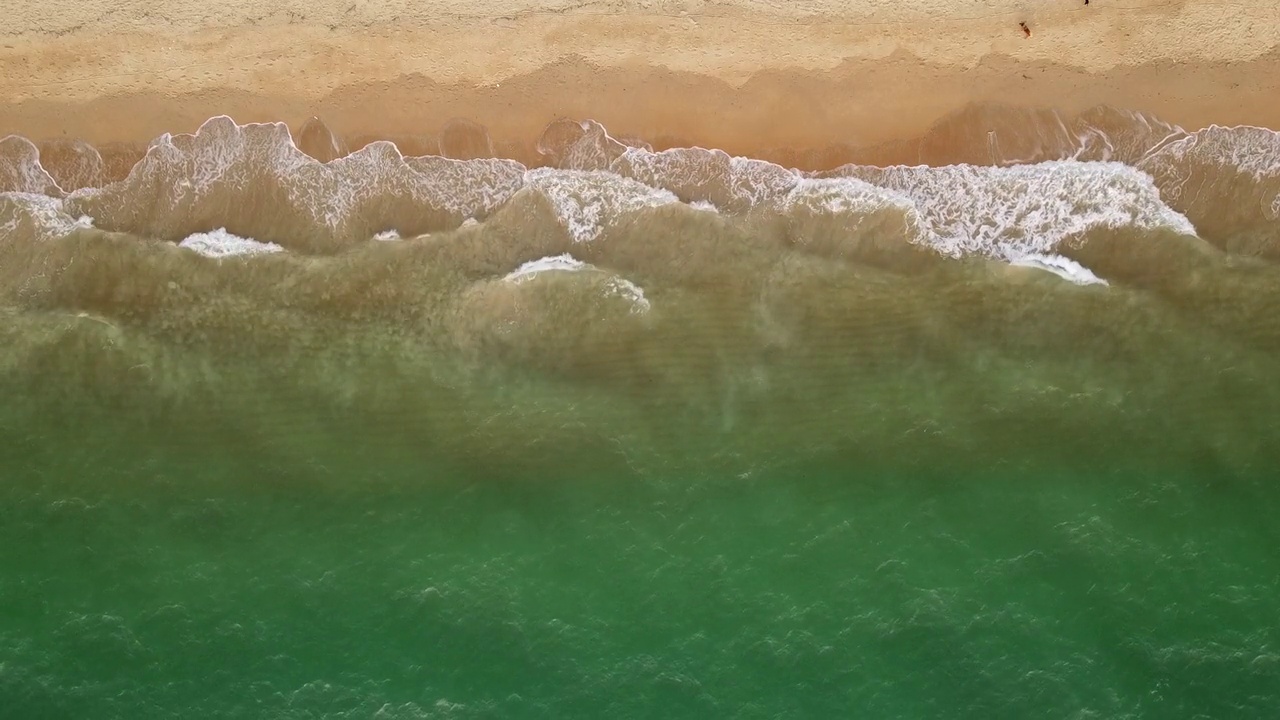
(141, 582)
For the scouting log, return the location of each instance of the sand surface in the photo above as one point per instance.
(750, 76)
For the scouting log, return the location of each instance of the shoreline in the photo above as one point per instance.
(747, 77)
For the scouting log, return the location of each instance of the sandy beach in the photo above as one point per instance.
(771, 79)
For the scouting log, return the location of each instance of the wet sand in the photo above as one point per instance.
(787, 82)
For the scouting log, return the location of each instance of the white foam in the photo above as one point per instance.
(614, 286)
(38, 216)
(1065, 268)
(585, 201)
(840, 195)
(557, 263)
(222, 244)
(216, 169)
(1109, 133)
(1007, 213)
(1247, 149)
(697, 175)
(1214, 154)
(20, 168)
(728, 182)
(628, 290)
(1013, 212)
(592, 149)
(340, 189)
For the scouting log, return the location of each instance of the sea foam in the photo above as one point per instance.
(222, 244)
(253, 181)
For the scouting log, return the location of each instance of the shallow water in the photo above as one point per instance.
(643, 433)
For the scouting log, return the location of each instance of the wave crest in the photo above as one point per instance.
(1011, 212)
(253, 181)
(314, 196)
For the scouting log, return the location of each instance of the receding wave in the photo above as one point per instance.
(1227, 180)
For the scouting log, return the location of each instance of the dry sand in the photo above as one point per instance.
(750, 76)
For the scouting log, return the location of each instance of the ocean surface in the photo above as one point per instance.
(295, 431)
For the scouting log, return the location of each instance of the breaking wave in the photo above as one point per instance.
(1028, 253)
(1038, 175)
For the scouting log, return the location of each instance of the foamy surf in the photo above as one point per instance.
(1065, 268)
(21, 171)
(558, 263)
(32, 216)
(586, 201)
(1011, 212)
(1077, 217)
(222, 244)
(229, 175)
